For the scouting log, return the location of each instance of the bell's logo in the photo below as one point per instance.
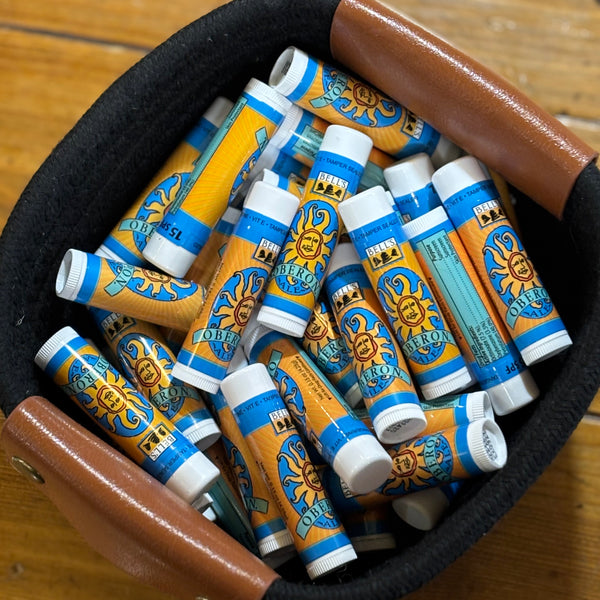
(267, 252)
(488, 213)
(331, 186)
(155, 443)
(384, 253)
(412, 126)
(346, 295)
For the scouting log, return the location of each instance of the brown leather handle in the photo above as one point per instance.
(126, 515)
(475, 108)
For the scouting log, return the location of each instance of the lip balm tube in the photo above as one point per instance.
(458, 453)
(377, 359)
(293, 481)
(269, 529)
(409, 181)
(128, 238)
(342, 439)
(429, 347)
(206, 263)
(296, 280)
(300, 136)
(147, 362)
(340, 98)
(217, 454)
(371, 530)
(473, 205)
(117, 287)
(247, 261)
(144, 434)
(450, 411)
(424, 509)
(216, 178)
(481, 335)
(324, 344)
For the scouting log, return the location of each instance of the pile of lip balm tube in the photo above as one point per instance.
(312, 315)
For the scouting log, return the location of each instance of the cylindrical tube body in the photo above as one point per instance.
(296, 280)
(481, 335)
(247, 261)
(147, 437)
(429, 347)
(134, 291)
(474, 207)
(457, 453)
(128, 238)
(377, 359)
(216, 177)
(340, 98)
(147, 362)
(342, 439)
(292, 479)
(269, 529)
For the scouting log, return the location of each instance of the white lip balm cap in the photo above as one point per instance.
(217, 112)
(277, 542)
(409, 175)
(195, 476)
(167, 256)
(288, 70)
(53, 344)
(487, 445)
(457, 175)
(363, 464)
(331, 561)
(273, 202)
(347, 142)
(71, 274)
(514, 393)
(479, 406)
(203, 434)
(287, 127)
(423, 509)
(246, 383)
(546, 347)
(196, 378)
(364, 208)
(268, 95)
(399, 423)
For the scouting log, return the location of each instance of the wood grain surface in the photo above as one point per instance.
(57, 57)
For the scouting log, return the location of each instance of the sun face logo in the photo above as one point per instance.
(231, 310)
(239, 466)
(428, 463)
(302, 487)
(118, 409)
(512, 276)
(305, 255)
(152, 209)
(371, 346)
(329, 351)
(148, 284)
(414, 314)
(358, 102)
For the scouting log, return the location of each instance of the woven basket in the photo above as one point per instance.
(92, 176)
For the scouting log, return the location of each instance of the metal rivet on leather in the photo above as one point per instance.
(26, 469)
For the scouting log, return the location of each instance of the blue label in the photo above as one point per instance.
(478, 201)
(417, 203)
(184, 230)
(263, 409)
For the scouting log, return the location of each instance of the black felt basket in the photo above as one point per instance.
(92, 176)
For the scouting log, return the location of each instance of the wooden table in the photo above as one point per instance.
(57, 57)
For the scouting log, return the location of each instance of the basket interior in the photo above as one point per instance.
(99, 168)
